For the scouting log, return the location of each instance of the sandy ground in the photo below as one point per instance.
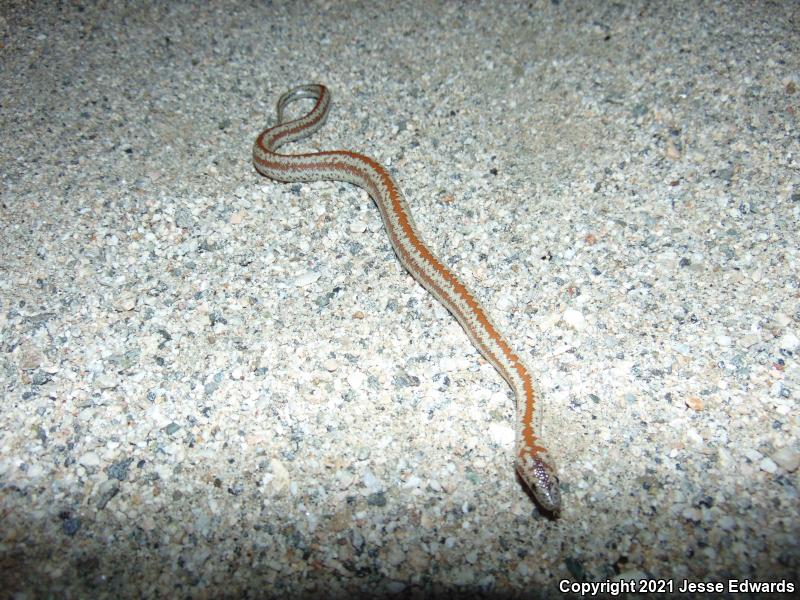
(216, 385)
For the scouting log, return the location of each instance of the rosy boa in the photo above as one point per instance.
(429, 270)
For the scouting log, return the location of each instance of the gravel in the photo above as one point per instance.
(216, 385)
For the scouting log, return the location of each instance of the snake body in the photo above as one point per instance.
(342, 165)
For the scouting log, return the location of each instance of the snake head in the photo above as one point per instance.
(541, 479)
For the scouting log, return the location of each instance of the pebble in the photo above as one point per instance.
(435, 485)
(695, 403)
(504, 303)
(356, 379)
(672, 151)
(395, 588)
(358, 226)
(30, 359)
(71, 526)
(306, 278)
(106, 381)
(574, 318)
(724, 340)
(789, 341)
(413, 482)
(787, 459)
(35, 471)
(125, 302)
(768, 465)
(631, 575)
(345, 479)
(376, 499)
(749, 340)
(502, 435)
(280, 476)
(119, 469)
(682, 349)
(371, 482)
(235, 378)
(105, 492)
(753, 455)
(89, 459)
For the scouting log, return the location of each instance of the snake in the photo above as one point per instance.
(532, 460)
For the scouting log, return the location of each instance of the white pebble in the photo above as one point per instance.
(753, 455)
(749, 339)
(358, 226)
(86, 415)
(574, 318)
(449, 364)
(171, 449)
(356, 379)
(502, 435)
(412, 482)
(372, 483)
(345, 479)
(125, 302)
(768, 465)
(90, 459)
(787, 459)
(682, 349)
(789, 342)
(106, 382)
(504, 302)
(306, 278)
